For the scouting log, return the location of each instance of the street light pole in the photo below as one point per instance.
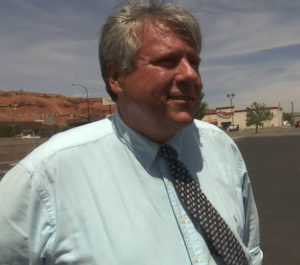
(230, 96)
(87, 98)
(293, 119)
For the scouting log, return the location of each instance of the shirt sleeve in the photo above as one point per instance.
(25, 218)
(251, 229)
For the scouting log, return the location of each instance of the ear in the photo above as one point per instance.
(114, 77)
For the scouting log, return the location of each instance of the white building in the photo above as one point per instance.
(225, 116)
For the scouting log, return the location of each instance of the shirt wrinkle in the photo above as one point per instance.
(144, 149)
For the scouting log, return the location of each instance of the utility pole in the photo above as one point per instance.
(280, 117)
(230, 96)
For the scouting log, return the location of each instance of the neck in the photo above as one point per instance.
(148, 130)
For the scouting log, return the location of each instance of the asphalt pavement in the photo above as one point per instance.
(5, 166)
(274, 168)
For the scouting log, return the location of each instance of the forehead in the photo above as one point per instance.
(152, 34)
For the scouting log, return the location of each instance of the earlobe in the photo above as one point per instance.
(114, 77)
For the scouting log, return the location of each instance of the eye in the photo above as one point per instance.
(194, 61)
(167, 62)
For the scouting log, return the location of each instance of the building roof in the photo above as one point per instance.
(214, 111)
(226, 107)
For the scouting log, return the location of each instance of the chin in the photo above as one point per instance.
(183, 119)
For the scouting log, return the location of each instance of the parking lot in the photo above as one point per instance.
(13, 149)
(274, 168)
(5, 166)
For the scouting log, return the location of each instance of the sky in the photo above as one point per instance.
(250, 48)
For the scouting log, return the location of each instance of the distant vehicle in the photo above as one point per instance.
(28, 133)
(297, 124)
(30, 136)
(233, 127)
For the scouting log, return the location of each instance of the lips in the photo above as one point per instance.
(182, 97)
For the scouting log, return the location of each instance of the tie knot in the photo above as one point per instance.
(168, 152)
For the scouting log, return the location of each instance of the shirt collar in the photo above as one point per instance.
(143, 148)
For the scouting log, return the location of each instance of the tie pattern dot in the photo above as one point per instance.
(219, 237)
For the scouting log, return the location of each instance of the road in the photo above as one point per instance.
(274, 168)
(5, 166)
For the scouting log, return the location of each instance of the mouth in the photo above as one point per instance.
(181, 97)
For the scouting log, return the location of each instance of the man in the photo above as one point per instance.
(105, 193)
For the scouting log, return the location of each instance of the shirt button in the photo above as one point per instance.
(196, 259)
(184, 220)
(235, 219)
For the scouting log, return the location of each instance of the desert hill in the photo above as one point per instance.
(20, 106)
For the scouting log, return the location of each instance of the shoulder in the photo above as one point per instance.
(206, 125)
(76, 137)
(218, 149)
(207, 129)
(211, 137)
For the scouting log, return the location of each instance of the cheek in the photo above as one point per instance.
(200, 84)
(158, 79)
(153, 85)
(159, 73)
(163, 81)
(165, 75)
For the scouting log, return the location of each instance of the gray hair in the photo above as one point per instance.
(120, 40)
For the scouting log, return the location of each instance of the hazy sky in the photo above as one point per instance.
(251, 48)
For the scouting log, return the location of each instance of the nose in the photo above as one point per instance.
(187, 72)
(188, 76)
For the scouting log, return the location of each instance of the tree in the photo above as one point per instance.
(202, 107)
(257, 114)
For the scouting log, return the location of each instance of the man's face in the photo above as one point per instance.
(161, 95)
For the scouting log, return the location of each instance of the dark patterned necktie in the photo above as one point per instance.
(218, 235)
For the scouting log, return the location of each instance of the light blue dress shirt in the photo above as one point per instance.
(100, 195)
